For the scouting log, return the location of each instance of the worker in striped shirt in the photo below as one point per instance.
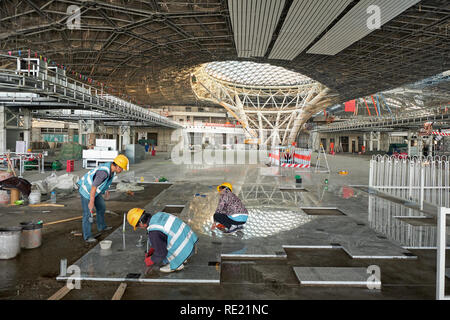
(231, 214)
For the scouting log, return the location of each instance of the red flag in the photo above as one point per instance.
(350, 106)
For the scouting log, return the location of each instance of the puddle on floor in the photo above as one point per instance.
(323, 211)
(404, 225)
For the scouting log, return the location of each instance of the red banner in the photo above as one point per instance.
(350, 106)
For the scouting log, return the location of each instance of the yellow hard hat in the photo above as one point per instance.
(121, 161)
(133, 216)
(225, 184)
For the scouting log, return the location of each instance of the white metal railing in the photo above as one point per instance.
(22, 157)
(440, 256)
(363, 122)
(419, 179)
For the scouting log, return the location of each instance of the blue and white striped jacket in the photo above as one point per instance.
(180, 237)
(85, 183)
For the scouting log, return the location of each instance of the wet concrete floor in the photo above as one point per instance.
(32, 274)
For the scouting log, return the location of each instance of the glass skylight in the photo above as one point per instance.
(254, 74)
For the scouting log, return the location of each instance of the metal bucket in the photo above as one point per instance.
(31, 235)
(10, 242)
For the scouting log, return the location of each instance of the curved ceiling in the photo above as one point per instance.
(148, 48)
(254, 74)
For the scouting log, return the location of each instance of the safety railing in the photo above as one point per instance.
(51, 83)
(440, 256)
(404, 119)
(419, 179)
(23, 157)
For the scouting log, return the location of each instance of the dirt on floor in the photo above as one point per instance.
(32, 274)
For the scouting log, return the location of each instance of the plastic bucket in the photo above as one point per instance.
(31, 235)
(10, 242)
(4, 197)
(34, 197)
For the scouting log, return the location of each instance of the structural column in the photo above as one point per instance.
(86, 128)
(27, 119)
(124, 137)
(378, 141)
(409, 143)
(2, 130)
(371, 141)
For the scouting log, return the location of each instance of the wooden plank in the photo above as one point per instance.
(120, 291)
(60, 293)
(65, 220)
(45, 205)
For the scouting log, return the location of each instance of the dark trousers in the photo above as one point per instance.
(227, 222)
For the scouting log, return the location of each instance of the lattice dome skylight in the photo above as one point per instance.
(254, 74)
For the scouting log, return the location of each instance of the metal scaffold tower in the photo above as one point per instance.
(270, 114)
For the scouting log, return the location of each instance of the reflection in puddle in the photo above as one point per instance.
(383, 218)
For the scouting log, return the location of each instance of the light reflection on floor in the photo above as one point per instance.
(262, 222)
(383, 218)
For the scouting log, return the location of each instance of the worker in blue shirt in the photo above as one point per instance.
(91, 187)
(172, 241)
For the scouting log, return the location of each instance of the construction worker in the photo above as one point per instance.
(91, 187)
(172, 241)
(231, 214)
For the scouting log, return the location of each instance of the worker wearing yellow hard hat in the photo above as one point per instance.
(231, 214)
(91, 187)
(171, 240)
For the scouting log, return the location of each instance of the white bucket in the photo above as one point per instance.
(4, 197)
(34, 197)
(10, 242)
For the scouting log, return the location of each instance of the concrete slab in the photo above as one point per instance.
(326, 276)
(125, 258)
(276, 221)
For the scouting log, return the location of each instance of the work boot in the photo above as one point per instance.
(106, 229)
(167, 268)
(91, 240)
(234, 228)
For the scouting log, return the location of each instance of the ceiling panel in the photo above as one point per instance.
(254, 22)
(305, 21)
(353, 26)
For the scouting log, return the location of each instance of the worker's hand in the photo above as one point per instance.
(91, 206)
(107, 195)
(150, 252)
(148, 261)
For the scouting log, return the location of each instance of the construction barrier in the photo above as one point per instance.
(436, 133)
(274, 156)
(291, 157)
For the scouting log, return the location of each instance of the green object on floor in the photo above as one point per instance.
(56, 165)
(162, 179)
(18, 202)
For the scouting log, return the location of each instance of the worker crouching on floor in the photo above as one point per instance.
(91, 187)
(172, 241)
(231, 214)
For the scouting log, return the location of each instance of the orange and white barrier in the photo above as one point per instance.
(291, 158)
(274, 156)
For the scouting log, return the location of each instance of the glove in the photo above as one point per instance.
(150, 252)
(148, 261)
